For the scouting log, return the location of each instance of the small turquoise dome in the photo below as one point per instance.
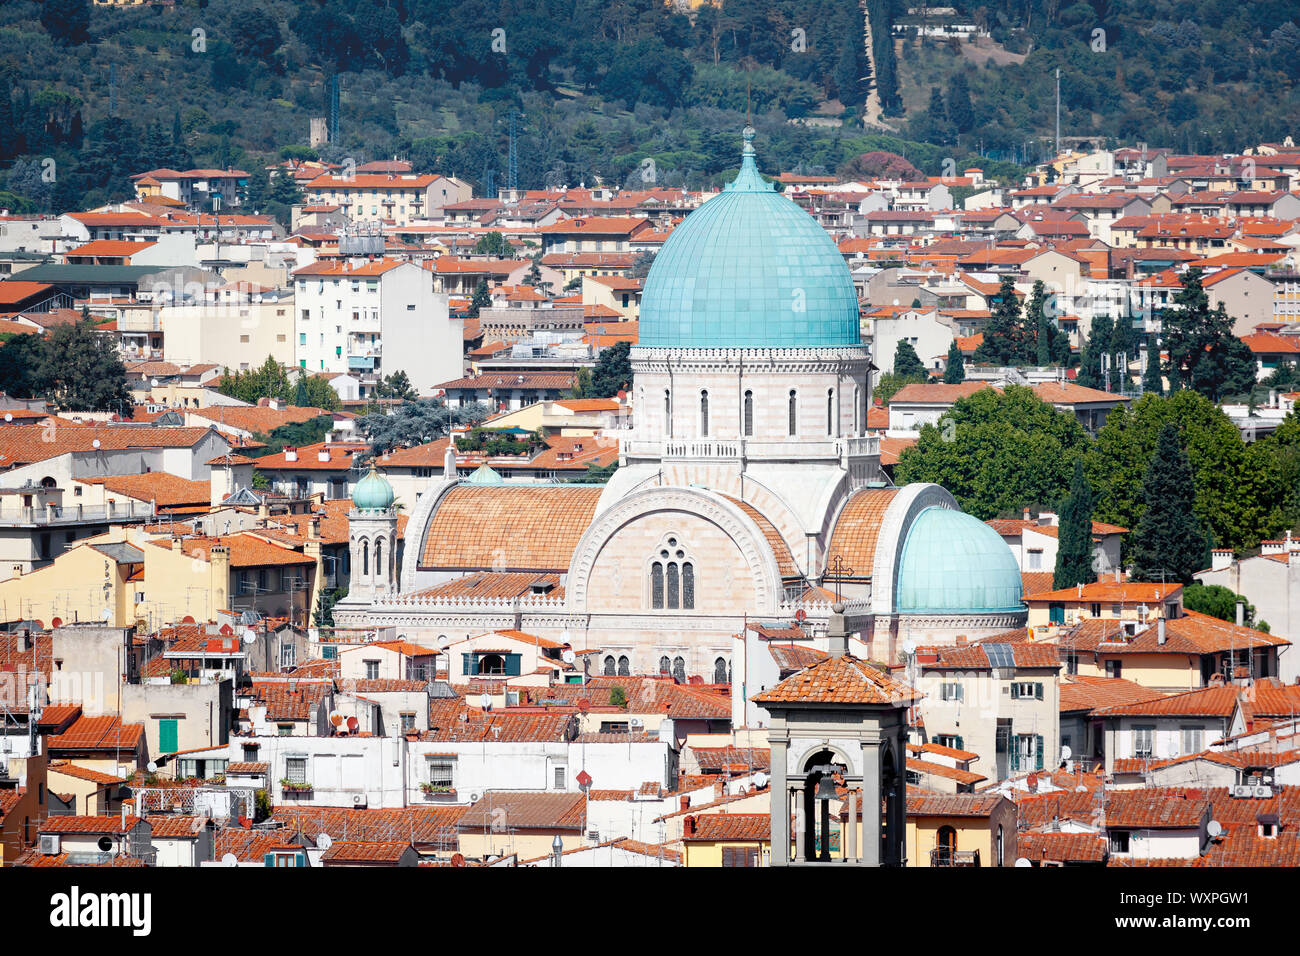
(373, 493)
(749, 269)
(953, 563)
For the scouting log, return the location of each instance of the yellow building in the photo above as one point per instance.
(728, 839)
(1122, 600)
(523, 824)
(960, 830)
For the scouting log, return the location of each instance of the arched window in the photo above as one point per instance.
(793, 413)
(749, 414)
(945, 845)
(379, 557)
(665, 666)
(668, 413)
(492, 664)
(674, 586)
(857, 405)
(704, 414)
(1001, 848)
(688, 586)
(720, 671)
(830, 411)
(610, 665)
(679, 670)
(657, 585)
(365, 559)
(672, 577)
(624, 666)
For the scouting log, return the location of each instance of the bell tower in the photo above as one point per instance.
(372, 539)
(838, 735)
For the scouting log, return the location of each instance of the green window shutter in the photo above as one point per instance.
(167, 736)
(268, 859)
(1038, 691)
(300, 859)
(514, 664)
(1039, 743)
(960, 744)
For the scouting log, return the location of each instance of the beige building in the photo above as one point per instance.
(232, 335)
(960, 830)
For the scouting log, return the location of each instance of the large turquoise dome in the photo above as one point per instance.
(953, 563)
(373, 493)
(749, 269)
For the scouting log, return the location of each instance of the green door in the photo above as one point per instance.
(167, 736)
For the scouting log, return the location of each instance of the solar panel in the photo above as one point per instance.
(1000, 655)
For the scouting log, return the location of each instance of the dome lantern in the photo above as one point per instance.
(373, 492)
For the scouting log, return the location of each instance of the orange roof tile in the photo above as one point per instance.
(857, 527)
(838, 680)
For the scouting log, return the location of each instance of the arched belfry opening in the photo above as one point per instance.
(838, 733)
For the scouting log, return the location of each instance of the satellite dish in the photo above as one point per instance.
(568, 656)
(106, 614)
(95, 443)
(1066, 753)
(1023, 862)
(249, 636)
(9, 416)
(1214, 828)
(336, 718)
(1080, 789)
(353, 724)
(760, 780)
(324, 842)
(230, 860)
(909, 646)
(151, 767)
(486, 701)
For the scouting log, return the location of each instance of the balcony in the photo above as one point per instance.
(797, 449)
(64, 515)
(943, 856)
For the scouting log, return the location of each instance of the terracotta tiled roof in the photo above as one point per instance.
(256, 418)
(247, 767)
(731, 828)
(784, 559)
(1155, 808)
(793, 657)
(722, 759)
(85, 773)
(494, 584)
(975, 656)
(1208, 702)
(295, 700)
(108, 824)
(247, 550)
(1062, 847)
(842, 680)
(99, 734)
(508, 528)
(526, 811)
(857, 528)
(1081, 693)
(943, 770)
(23, 444)
(951, 805)
(1110, 592)
(422, 826)
(352, 852)
(936, 394)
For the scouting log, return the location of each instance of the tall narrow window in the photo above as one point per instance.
(365, 558)
(857, 405)
(688, 586)
(679, 670)
(656, 585)
(668, 414)
(704, 414)
(793, 412)
(379, 557)
(665, 666)
(624, 666)
(674, 587)
(609, 665)
(749, 414)
(830, 411)
(720, 671)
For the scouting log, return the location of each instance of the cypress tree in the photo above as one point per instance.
(1169, 544)
(1074, 553)
(955, 372)
(906, 362)
(1152, 382)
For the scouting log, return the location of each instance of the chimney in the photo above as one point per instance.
(323, 455)
(1241, 613)
(313, 528)
(1220, 559)
(449, 464)
(176, 542)
(1160, 631)
(689, 827)
(836, 633)
(1026, 514)
(123, 816)
(290, 454)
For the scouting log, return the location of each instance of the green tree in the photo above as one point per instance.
(397, 385)
(417, 422)
(1006, 339)
(1217, 601)
(495, 245)
(80, 369)
(907, 364)
(68, 21)
(312, 391)
(954, 372)
(1096, 346)
(325, 605)
(1074, 555)
(890, 384)
(1203, 353)
(313, 431)
(1152, 380)
(20, 361)
(1036, 319)
(961, 115)
(482, 299)
(997, 452)
(268, 380)
(613, 372)
(582, 384)
(1239, 487)
(1169, 544)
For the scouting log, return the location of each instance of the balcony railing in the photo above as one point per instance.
(75, 514)
(943, 856)
(736, 448)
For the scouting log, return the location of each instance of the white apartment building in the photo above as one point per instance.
(236, 334)
(374, 318)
